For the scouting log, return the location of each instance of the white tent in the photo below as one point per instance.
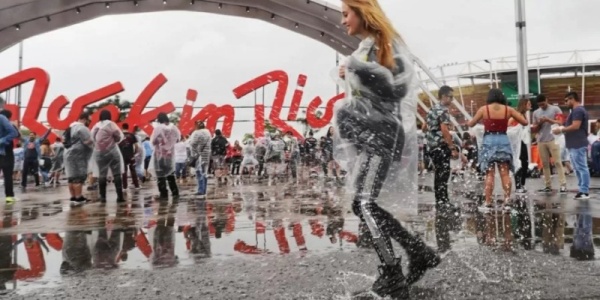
(21, 19)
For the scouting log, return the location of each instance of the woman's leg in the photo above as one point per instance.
(489, 183)
(506, 182)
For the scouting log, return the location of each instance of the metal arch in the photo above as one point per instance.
(315, 19)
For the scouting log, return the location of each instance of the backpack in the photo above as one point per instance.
(67, 141)
(126, 145)
(219, 146)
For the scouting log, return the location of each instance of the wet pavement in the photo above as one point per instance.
(288, 241)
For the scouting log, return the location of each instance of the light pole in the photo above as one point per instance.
(20, 69)
(522, 69)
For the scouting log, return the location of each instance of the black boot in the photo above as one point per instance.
(162, 187)
(173, 185)
(391, 282)
(119, 187)
(102, 189)
(420, 256)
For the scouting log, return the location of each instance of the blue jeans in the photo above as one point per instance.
(180, 170)
(579, 162)
(596, 157)
(202, 179)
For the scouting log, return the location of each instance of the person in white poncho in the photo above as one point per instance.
(107, 136)
(164, 137)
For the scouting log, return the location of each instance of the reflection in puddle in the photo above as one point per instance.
(44, 241)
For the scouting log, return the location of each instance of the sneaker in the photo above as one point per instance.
(10, 199)
(78, 201)
(582, 196)
(545, 190)
(484, 209)
(521, 191)
(563, 190)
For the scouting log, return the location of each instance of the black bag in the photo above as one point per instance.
(191, 161)
(67, 138)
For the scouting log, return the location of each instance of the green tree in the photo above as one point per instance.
(247, 136)
(304, 122)
(269, 127)
(123, 105)
(174, 118)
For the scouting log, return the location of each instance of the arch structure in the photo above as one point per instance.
(319, 20)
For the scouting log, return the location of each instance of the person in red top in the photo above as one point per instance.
(236, 158)
(495, 149)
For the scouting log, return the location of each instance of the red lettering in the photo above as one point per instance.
(282, 83)
(297, 98)
(80, 104)
(36, 99)
(311, 117)
(259, 120)
(211, 113)
(137, 117)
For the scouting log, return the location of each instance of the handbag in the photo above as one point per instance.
(191, 161)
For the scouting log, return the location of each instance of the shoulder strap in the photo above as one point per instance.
(487, 107)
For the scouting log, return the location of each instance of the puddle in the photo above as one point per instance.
(54, 239)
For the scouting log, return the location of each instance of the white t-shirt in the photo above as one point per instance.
(180, 152)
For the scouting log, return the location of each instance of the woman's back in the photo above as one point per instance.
(495, 117)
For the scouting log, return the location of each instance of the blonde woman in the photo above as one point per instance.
(520, 176)
(369, 123)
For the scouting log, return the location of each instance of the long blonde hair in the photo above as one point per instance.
(522, 106)
(377, 24)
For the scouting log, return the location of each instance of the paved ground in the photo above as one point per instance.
(293, 242)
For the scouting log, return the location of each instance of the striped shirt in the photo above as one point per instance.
(200, 144)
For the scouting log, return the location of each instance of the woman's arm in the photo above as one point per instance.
(478, 116)
(518, 116)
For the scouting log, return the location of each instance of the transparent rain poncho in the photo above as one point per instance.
(79, 154)
(58, 159)
(379, 100)
(164, 137)
(139, 157)
(249, 154)
(107, 136)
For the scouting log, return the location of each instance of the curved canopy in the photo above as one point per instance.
(21, 19)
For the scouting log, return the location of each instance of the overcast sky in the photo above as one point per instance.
(213, 54)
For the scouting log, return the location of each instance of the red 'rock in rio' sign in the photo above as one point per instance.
(137, 116)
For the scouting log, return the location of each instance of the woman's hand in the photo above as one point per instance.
(342, 72)
(558, 130)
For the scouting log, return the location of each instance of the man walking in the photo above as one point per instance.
(543, 119)
(439, 141)
(575, 130)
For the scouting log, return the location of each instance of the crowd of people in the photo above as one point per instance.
(112, 153)
(559, 141)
